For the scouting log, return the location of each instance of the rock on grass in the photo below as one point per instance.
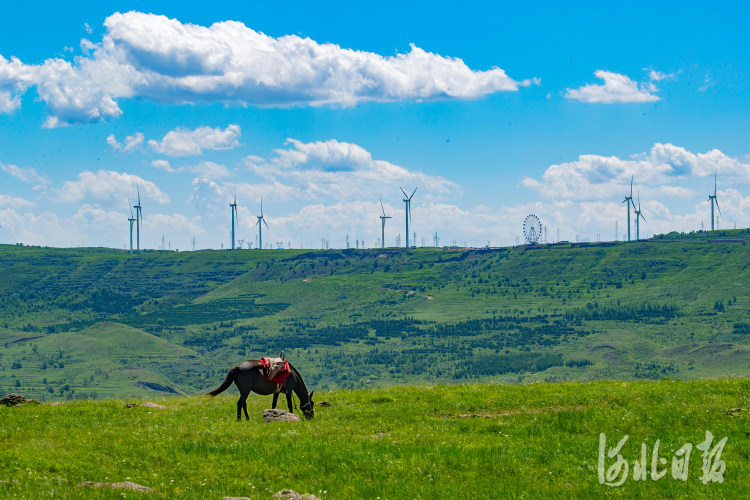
(280, 416)
(127, 485)
(293, 495)
(146, 404)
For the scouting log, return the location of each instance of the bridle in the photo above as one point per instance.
(309, 405)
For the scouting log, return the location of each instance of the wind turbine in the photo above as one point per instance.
(628, 200)
(233, 206)
(638, 215)
(382, 221)
(138, 218)
(131, 220)
(713, 200)
(407, 200)
(260, 228)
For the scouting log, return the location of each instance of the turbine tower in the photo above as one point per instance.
(638, 216)
(260, 228)
(407, 200)
(628, 200)
(713, 200)
(131, 220)
(382, 221)
(233, 206)
(138, 219)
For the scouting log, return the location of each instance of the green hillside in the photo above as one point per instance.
(104, 322)
(463, 441)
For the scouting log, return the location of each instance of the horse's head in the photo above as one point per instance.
(309, 409)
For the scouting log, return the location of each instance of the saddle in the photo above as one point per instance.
(275, 370)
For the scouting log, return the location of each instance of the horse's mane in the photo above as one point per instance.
(296, 374)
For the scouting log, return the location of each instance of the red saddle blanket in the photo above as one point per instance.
(276, 370)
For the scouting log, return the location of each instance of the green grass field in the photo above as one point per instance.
(78, 323)
(526, 441)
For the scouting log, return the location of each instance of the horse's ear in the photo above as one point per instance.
(313, 392)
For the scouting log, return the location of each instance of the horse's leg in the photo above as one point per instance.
(244, 406)
(289, 400)
(242, 403)
(275, 399)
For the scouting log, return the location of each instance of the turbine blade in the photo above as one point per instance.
(131, 209)
(717, 206)
(264, 222)
(381, 206)
(715, 174)
(631, 186)
(412, 194)
(402, 190)
(139, 193)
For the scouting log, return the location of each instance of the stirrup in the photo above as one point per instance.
(278, 389)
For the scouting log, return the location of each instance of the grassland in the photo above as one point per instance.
(431, 442)
(92, 323)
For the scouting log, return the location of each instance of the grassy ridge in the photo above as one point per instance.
(529, 441)
(642, 310)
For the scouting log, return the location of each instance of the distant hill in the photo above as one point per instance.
(156, 322)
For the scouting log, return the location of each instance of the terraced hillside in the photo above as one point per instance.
(80, 323)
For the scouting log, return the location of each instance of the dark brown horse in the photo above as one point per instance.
(248, 376)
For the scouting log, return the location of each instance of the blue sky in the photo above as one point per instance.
(491, 111)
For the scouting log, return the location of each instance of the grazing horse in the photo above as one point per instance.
(248, 376)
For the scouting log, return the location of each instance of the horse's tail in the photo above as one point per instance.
(227, 382)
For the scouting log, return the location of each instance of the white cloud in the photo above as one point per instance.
(206, 169)
(342, 170)
(109, 188)
(158, 58)
(186, 142)
(11, 201)
(617, 88)
(43, 229)
(209, 169)
(657, 76)
(171, 224)
(132, 143)
(163, 165)
(98, 218)
(94, 226)
(15, 78)
(592, 176)
(707, 83)
(27, 174)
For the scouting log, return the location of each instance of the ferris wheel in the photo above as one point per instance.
(532, 229)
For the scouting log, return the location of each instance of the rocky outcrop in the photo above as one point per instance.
(13, 399)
